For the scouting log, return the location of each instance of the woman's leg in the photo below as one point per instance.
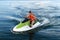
(31, 23)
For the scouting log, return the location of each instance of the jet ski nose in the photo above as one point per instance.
(14, 30)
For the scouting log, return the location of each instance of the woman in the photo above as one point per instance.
(32, 18)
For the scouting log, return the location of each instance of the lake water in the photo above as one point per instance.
(11, 13)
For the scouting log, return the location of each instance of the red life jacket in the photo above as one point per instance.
(32, 17)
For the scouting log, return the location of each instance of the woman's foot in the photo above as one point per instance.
(30, 26)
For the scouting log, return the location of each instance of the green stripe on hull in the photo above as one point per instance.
(23, 24)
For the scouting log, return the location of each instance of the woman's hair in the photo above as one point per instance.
(29, 11)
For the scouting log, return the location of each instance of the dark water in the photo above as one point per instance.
(9, 17)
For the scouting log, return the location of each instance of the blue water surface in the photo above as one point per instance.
(12, 12)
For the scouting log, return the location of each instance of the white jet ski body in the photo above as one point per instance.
(24, 27)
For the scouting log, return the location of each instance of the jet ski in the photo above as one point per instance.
(23, 27)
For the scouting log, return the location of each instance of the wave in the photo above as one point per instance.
(12, 18)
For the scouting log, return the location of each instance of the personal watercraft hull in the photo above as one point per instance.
(36, 27)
